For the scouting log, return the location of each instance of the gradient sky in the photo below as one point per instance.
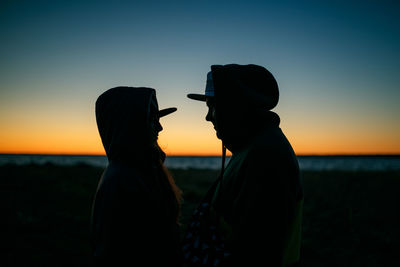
(337, 64)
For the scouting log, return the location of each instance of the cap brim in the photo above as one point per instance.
(166, 111)
(197, 97)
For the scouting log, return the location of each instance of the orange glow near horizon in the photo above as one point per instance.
(179, 144)
(183, 135)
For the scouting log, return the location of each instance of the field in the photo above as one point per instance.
(350, 218)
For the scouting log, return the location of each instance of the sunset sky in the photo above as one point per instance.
(337, 64)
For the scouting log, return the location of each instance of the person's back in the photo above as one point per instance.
(134, 219)
(260, 201)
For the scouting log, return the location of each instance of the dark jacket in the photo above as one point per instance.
(260, 197)
(134, 220)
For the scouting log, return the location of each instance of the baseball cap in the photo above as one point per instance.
(209, 92)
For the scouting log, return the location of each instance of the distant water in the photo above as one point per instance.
(318, 163)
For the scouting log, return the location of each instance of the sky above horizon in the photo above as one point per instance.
(336, 62)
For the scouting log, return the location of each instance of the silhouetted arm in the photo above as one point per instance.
(262, 209)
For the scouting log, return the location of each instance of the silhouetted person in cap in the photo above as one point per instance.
(258, 200)
(136, 207)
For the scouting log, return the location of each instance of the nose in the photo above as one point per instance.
(209, 115)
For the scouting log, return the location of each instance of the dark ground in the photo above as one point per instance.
(350, 218)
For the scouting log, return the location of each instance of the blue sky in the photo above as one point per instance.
(337, 62)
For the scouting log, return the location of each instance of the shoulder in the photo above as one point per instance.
(270, 165)
(271, 149)
(267, 157)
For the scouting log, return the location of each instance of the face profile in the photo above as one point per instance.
(211, 114)
(154, 123)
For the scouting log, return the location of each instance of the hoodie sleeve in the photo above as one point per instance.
(121, 224)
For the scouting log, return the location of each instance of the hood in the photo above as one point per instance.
(122, 115)
(244, 96)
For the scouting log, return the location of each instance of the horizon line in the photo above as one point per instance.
(217, 155)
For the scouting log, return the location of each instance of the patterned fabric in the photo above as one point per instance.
(203, 243)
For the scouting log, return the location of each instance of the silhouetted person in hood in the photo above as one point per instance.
(259, 199)
(136, 207)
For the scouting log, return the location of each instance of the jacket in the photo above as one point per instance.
(134, 214)
(260, 198)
